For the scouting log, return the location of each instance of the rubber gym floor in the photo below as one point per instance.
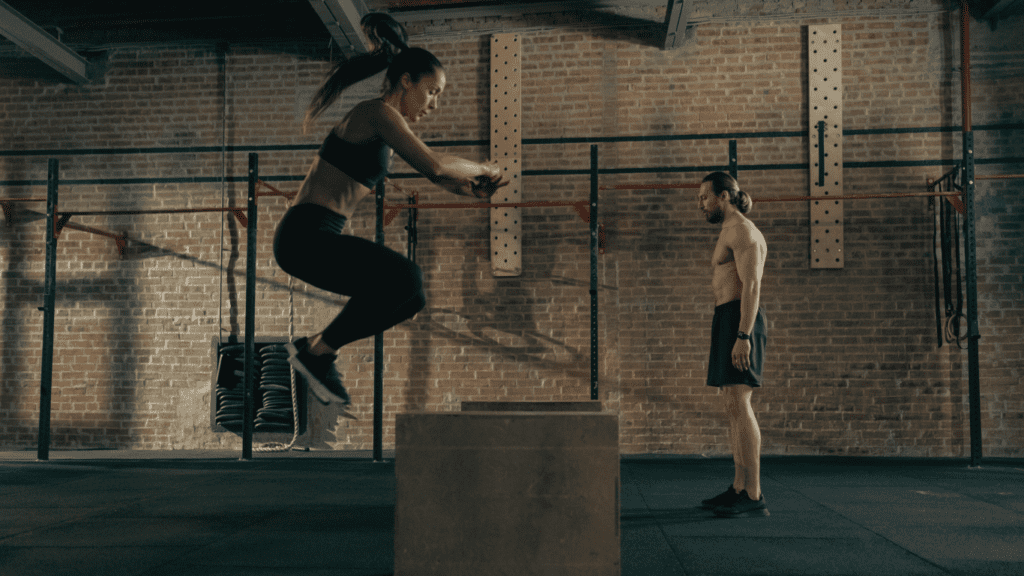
(206, 513)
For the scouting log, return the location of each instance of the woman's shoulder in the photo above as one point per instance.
(373, 112)
(360, 120)
(375, 106)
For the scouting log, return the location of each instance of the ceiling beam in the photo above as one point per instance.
(452, 10)
(1003, 8)
(677, 14)
(42, 45)
(341, 17)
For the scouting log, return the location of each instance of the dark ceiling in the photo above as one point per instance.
(93, 23)
(86, 29)
(90, 26)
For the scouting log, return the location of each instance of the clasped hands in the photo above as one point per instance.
(486, 185)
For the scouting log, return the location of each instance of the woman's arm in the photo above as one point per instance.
(455, 174)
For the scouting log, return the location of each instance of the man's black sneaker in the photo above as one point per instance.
(319, 371)
(743, 507)
(724, 499)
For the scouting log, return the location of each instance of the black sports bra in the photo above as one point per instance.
(366, 163)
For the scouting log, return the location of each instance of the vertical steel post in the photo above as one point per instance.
(248, 402)
(733, 160)
(970, 245)
(936, 204)
(973, 332)
(593, 273)
(48, 308)
(378, 354)
(411, 236)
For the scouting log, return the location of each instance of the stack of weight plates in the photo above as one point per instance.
(275, 390)
(230, 375)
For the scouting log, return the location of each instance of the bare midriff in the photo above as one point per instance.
(331, 188)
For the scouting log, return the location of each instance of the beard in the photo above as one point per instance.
(715, 216)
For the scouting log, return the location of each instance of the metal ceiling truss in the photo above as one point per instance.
(341, 17)
(37, 42)
(512, 9)
(677, 14)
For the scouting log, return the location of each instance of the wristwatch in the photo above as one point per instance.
(743, 336)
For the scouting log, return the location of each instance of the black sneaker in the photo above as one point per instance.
(319, 371)
(724, 499)
(743, 507)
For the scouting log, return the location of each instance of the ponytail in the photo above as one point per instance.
(384, 33)
(722, 182)
(387, 38)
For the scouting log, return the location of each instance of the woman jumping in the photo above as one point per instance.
(384, 287)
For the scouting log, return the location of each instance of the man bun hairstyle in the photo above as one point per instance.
(722, 182)
(388, 40)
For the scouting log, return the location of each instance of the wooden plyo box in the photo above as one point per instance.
(507, 493)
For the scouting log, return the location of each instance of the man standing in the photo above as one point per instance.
(738, 336)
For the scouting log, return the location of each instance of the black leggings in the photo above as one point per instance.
(384, 287)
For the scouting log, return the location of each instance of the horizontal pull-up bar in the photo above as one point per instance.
(121, 240)
(237, 211)
(6, 204)
(999, 177)
(852, 197)
(62, 219)
(391, 210)
(274, 191)
(953, 197)
(648, 186)
(780, 198)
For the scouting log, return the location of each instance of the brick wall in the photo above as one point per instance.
(852, 367)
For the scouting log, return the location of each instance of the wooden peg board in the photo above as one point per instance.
(506, 148)
(825, 146)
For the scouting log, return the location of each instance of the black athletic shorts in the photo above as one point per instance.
(724, 327)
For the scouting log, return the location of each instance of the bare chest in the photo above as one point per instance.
(722, 255)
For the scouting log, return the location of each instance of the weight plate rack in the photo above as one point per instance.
(272, 398)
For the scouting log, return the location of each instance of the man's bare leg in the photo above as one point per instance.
(739, 482)
(746, 440)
